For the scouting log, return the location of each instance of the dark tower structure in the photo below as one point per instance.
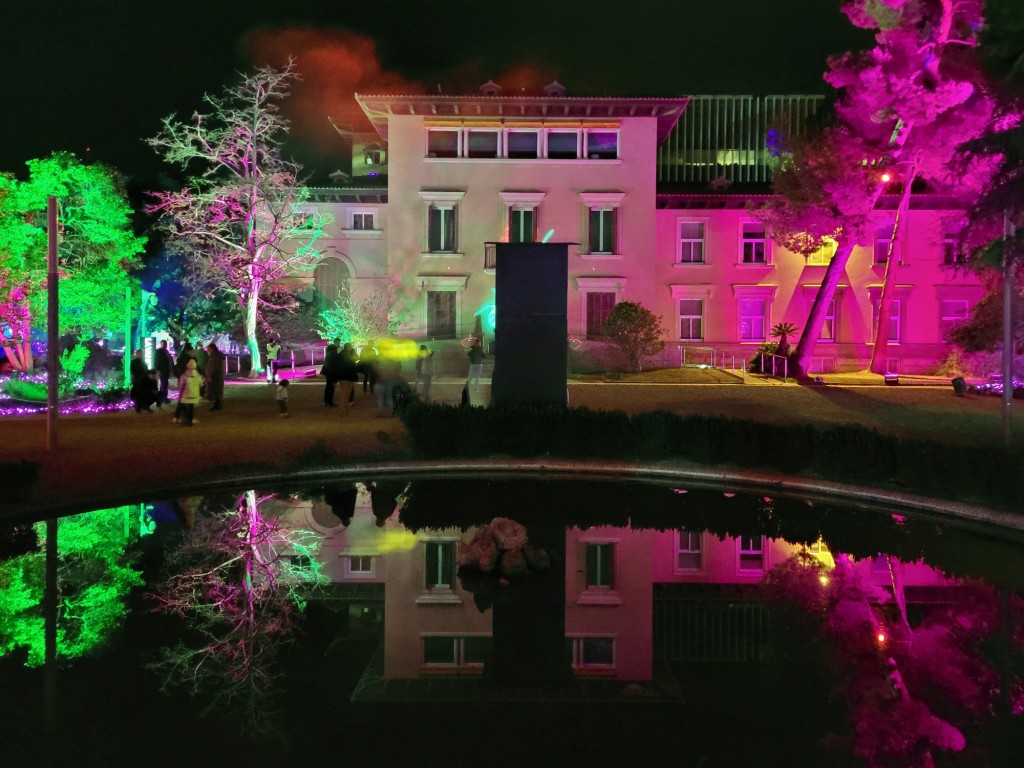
(530, 326)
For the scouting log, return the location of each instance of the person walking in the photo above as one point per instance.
(138, 372)
(189, 387)
(347, 376)
(330, 370)
(282, 397)
(273, 355)
(368, 366)
(388, 373)
(214, 376)
(163, 364)
(476, 356)
(424, 372)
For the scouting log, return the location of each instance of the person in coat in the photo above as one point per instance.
(163, 364)
(190, 386)
(330, 371)
(214, 376)
(347, 376)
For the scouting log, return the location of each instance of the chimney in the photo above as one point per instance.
(490, 88)
(554, 88)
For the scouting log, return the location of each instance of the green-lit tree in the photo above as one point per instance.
(241, 221)
(95, 575)
(636, 331)
(97, 250)
(360, 319)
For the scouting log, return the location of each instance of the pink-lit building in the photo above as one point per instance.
(655, 194)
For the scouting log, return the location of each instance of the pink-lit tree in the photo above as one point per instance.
(825, 189)
(97, 250)
(904, 108)
(238, 580)
(916, 97)
(242, 218)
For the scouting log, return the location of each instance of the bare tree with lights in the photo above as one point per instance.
(242, 217)
(360, 319)
(238, 580)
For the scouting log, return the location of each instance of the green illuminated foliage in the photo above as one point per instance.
(95, 575)
(96, 249)
(357, 320)
(636, 331)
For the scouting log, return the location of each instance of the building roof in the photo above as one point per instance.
(379, 107)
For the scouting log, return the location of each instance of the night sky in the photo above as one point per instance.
(96, 76)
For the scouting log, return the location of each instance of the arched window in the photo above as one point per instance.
(331, 275)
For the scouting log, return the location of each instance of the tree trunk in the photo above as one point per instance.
(881, 348)
(812, 328)
(252, 302)
(20, 355)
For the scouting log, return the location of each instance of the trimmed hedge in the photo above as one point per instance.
(844, 453)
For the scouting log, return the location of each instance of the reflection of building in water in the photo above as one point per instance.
(631, 597)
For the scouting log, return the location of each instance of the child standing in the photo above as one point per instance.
(189, 387)
(282, 397)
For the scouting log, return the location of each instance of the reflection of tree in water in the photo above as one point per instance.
(94, 577)
(238, 581)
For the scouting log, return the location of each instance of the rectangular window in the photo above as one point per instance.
(689, 551)
(599, 306)
(442, 142)
(828, 326)
(823, 255)
(521, 227)
(362, 220)
(894, 321)
(448, 651)
(752, 319)
(600, 566)
(952, 312)
(439, 565)
(482, 144)
(691, 319)
(591, 653)
(751, 553)
(602, 145)
(883, 236)
(441, 229)
(441, 314)
(523, 145)
(691, 242)
(602, 230)
(563, 145)
(952, 249)
(755, 243)
(822, 365)
(360, 564)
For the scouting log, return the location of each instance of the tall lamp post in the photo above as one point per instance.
(1009, 233)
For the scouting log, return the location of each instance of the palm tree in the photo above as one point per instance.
(783, 331)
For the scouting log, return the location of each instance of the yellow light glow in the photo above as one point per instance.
(823, 579)
(396, 541)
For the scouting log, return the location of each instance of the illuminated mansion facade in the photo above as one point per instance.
(654, 196)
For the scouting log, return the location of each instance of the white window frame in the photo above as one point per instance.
(454, 283)
(690, 241)
(352, 572)
(467, 142)
(823, 256)
(881, 249)
(459, 660)
(528, 200)
(604, 212)
(603, 201)
(586, 138)
(566, 130)
(442, 200)
(585, 285)
(895, 319)
(752, 241)
(829, 321)
(699, 318)
(951, 246)
(537, 134)
(758, 546)
(946, 320)
(687, 548)
(752, 338)
(579, 665)
(459, 145)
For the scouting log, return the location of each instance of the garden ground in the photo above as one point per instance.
(103, 456)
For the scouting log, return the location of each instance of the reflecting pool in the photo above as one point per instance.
(499, 622)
